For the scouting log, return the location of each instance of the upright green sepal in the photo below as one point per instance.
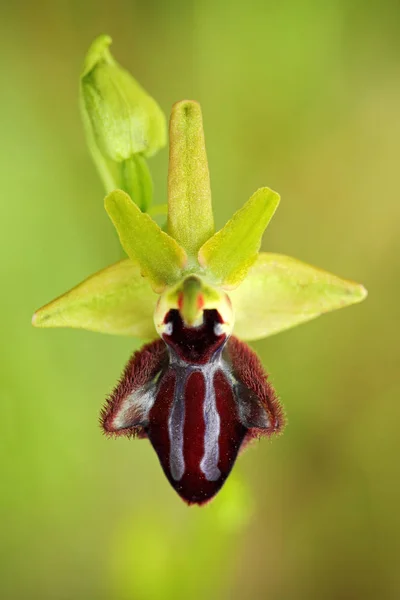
(229, 254)
(123, 123)
(160, 257)
(190, 216)
(280, 292)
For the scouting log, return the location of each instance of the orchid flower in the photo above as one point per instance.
(196, 390)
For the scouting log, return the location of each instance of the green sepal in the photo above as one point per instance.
(229, 254)
(116, 300)
(160, 257)
(280, 292)
(190, 216)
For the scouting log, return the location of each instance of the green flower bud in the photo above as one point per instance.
(124, 125)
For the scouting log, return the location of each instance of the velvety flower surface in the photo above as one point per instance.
(197, 391)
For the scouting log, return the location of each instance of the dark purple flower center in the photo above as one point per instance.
(195, 345)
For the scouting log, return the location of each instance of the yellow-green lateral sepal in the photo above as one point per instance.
(160, 257)
(190, 217)
(229, 254)
(115, 300)
(280, 292)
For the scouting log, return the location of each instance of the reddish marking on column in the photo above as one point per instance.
(180, 300)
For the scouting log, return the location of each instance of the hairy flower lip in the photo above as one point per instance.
(176, 404)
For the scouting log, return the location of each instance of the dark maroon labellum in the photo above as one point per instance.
(199, 398)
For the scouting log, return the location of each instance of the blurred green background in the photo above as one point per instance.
(302, 96)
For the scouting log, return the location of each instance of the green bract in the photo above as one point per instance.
(268, 292)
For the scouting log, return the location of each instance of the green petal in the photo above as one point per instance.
(229, 254)
(115, 300)
(280, 292)
(190, 217)
(160, 257)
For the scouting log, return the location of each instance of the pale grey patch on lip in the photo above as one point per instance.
(252, 414)
(168, 329)
(135, 408)
(176, 422)
(219, 329)
(209, 462)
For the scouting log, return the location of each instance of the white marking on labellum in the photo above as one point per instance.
(168, 328)
(209, 462)
(219, 329)
(175, 429)
(176, 421)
